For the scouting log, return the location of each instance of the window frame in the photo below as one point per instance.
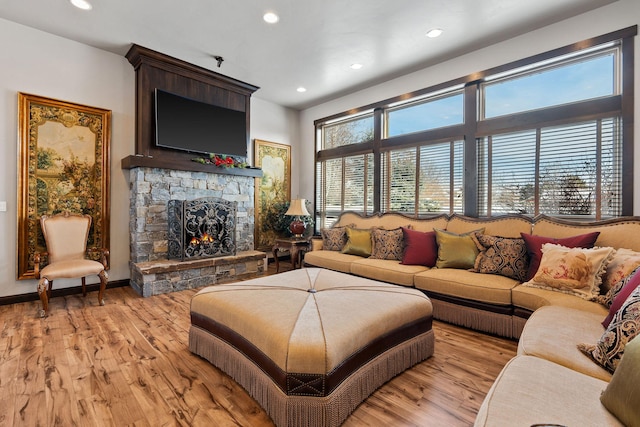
(621, 104)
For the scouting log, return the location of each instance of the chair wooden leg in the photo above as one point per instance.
(104, 277)
(42, 292)
(84, 287)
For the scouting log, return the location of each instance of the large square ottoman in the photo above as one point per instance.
(311, 344)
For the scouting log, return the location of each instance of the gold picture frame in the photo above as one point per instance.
(64, 160)
(272, 191)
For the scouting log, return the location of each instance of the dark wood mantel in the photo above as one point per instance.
(131, 162)
(155, 70)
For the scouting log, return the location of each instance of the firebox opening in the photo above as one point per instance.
(201, 228)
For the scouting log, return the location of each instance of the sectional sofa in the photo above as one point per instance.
(550, 381)
(490, 303)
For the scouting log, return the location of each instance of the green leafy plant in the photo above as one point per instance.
(274, 218)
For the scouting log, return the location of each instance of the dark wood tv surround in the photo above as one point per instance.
(156, 70)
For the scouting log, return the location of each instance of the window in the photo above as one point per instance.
(344, 184)
(346, 132)
(572, 170)
(586, 78)
(425, 115)
(548, 135)
(423, 180)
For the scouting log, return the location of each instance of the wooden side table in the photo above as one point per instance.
(296, 246)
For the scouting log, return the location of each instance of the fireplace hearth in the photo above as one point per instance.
(201, 228)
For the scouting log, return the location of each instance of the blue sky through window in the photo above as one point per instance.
(434, 114)
(577, 81)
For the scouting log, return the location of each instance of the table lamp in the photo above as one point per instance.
(297, 208)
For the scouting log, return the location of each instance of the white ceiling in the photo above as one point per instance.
(313, 44)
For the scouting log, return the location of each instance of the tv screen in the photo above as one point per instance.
(197, 127)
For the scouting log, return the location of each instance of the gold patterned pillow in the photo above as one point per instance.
(387, 244)
(574, 271)
(501, 255)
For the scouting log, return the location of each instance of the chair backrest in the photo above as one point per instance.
(66, 235)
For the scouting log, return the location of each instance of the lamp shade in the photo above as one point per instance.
(297, 208)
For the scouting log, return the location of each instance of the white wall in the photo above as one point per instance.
(616, 16)
(42, 64)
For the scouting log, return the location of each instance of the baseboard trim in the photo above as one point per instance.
(33, 296)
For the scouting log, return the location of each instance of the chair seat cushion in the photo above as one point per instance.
(71, 269)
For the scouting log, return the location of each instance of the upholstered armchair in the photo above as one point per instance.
(66, 237)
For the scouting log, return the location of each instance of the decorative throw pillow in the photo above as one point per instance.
(387, 244)
(456, 250)
(612, 293)
(333, 239)
(621, 396)
(623, 328)
(628, 285)
(420, 248)
(501, 255)
(358, 242)
(573, 271)
(622, 264)
(534, 243)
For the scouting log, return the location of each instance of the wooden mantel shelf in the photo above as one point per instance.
(134, 161)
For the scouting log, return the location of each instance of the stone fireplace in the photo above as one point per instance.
(157, 175)
(153, 193)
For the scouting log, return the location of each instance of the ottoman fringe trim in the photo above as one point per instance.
(327, 411)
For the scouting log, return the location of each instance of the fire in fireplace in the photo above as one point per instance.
(201, 228)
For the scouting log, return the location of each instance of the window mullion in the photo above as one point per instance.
(537, 172)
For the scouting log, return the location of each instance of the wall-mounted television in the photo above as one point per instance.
(197, 127)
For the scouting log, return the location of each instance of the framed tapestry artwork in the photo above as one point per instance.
(63, 166)
(272, 191)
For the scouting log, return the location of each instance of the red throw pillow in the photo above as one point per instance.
(534, 246)
(420, 248)
(627, 289)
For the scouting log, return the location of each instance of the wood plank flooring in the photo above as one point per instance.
(128, 364)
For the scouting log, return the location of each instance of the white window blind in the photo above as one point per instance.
(344, 184)
(424, 180)
(572, 170)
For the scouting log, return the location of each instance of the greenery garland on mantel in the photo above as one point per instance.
(221, 161)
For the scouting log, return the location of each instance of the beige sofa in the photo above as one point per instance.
(549, 381)
(485, 302)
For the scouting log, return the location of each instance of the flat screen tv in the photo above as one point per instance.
(197, 127)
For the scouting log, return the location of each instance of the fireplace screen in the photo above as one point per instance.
(201, 228)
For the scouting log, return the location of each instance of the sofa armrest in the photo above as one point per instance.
(316, 244)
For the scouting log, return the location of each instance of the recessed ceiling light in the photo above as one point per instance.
(356, 66)
(270, 17)
(436, 32)
(82, 4)
(301, 89)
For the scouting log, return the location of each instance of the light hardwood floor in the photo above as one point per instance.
(128, 364)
